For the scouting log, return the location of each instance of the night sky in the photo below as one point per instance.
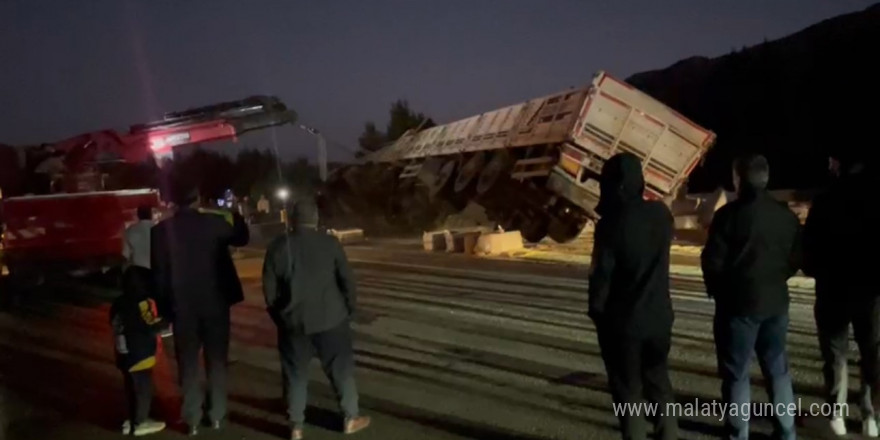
(71, 66)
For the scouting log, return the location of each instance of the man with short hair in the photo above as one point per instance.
(310, 295)
(751, 252)
(196, 285)
(841, 229)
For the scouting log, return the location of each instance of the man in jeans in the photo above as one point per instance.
(841, 230)
(310, 295)
(751, 252)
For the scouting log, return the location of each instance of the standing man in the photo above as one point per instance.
(136, 240)
(310, 295)
(629, 294)
(196, 285)
(751, 252)
(841, 231)
(263, 205)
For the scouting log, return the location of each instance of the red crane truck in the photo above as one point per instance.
(78, 224)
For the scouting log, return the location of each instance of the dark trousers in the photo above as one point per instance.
(637, 368)
(736, 337)
(334, 350)
(191, 334)
(138, 394)
(833, 318)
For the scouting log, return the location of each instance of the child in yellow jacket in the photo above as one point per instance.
(135, 327)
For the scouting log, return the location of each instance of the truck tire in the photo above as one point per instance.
(442, 180)
(561, 231)
(493, 173)
(470, 172)
(535, 228)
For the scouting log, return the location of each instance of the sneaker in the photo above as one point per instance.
(838, 426)
(869, 427)
(356, 424)
(148, 427)
(166, 332)
(126, 427)
(192, 430)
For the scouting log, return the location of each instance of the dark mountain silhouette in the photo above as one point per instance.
(795, 99)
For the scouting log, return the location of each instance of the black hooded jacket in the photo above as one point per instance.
(629, 274)
(752, 250)
(840, 236)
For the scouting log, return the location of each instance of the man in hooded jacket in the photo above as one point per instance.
(840, 231)
(751, 252)
(310, 295)
(629, 294)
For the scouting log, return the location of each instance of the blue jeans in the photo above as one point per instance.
(736, 337)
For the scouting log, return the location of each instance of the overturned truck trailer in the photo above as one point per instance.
(534, 166)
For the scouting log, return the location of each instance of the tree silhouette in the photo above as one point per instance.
(401, 119)
(372, 139)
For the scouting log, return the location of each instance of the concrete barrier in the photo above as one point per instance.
(347, 236)
(498, 243)
(462, 241)
(434, 241)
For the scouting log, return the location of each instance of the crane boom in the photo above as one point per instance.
(224, 121)
(82, 227)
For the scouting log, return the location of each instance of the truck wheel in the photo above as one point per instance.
(442, 179)
(493, 173)
(535, 228)
(563, 232)
(470, 172)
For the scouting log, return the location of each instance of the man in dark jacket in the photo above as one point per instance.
(196, 284)
(751, 252)
(841, 231)
(629, 294)
(310, 295)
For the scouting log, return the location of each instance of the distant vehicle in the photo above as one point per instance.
(70, 220)
(534, 166)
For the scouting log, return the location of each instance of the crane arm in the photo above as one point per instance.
(224, 121)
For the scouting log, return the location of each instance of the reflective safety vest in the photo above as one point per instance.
(227, 215)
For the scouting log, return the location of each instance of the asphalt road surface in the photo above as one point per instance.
(448, 347)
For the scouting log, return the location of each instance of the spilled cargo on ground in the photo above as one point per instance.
(533, 166)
